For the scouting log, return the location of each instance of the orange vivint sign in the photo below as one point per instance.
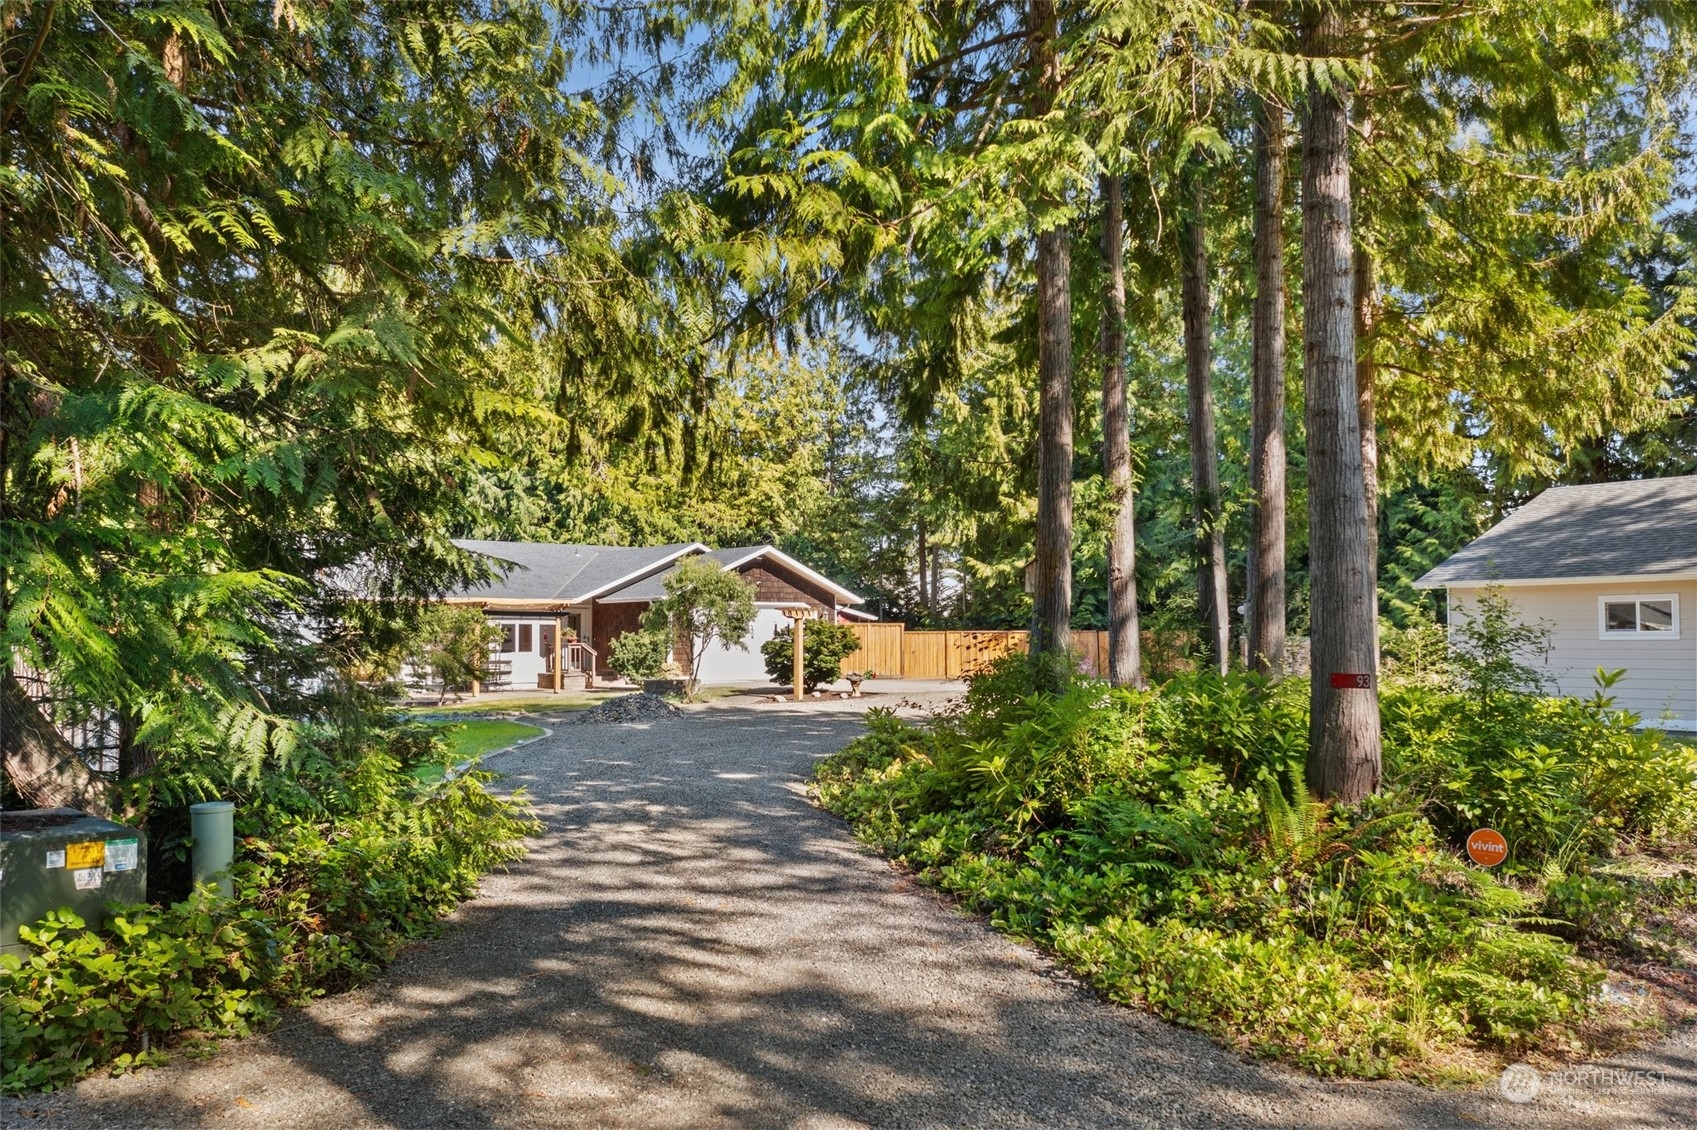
(1487, 847)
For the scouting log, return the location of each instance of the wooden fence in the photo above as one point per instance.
(890, 651)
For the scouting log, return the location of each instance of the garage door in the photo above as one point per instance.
(724, 664)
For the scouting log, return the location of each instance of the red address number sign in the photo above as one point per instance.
(1351, 681)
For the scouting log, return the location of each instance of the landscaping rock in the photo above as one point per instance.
(641, 707)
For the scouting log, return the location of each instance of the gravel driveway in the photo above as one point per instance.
(690, 944)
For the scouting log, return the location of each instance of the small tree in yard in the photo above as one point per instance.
(1492, 649)
(823, 645)
(453, 643)
(704, 605)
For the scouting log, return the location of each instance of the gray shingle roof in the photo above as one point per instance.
(1643, 528)
(563, 574)
(654, 587)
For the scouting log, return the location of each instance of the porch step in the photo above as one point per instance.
(545, 681)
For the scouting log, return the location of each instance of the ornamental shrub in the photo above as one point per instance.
(823, 645)
(639, 655)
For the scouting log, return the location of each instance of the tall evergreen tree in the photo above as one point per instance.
(1125, 658)
(1051, 613)
(255, 261)
(1266, 587)
(1344, 741)
(1212, 600)
(1514, 156)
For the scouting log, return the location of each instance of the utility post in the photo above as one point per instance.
(798, 617)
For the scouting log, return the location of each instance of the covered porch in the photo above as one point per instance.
(542, 647)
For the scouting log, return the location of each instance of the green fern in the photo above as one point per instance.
(1296, 830)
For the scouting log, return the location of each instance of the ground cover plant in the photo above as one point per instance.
(342, 860)
(640, 655)
(1164, 845)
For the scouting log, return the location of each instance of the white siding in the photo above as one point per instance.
(730, 664)
(1661, 673)
(524, 667)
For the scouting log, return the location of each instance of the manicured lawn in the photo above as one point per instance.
(474, 738)
(478, 736)
(714, 694)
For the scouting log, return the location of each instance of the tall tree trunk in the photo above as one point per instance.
(1366, 414)
(1343, 734)
(1267, 400)
(134, 759)
(40, 764)
(1125, 660)
(1204, 454)
(1051, 614)
(936, 580)
(924, 593)
(1366, 388)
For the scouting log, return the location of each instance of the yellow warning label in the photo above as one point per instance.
(91, 854)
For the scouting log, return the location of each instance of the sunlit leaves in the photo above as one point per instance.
(255, 261)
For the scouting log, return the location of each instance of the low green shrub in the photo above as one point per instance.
(1559, 777)
(1599, 909)
(1163, 843)
(1473, 739)
(639, 655)
(337, 870)
(1254, 730)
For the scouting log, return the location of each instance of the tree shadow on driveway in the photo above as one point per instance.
(690, 943)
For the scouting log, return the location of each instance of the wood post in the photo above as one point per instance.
(559, 652)
(799, 621)
(798, 616)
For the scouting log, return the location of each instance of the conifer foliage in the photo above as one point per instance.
(255, 258)
(293, 292)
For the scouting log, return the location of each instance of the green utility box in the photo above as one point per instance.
(58, 857)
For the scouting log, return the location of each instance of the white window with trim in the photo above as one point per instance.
(1647, 617)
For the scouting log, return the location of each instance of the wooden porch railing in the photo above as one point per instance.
(575, 658)
(574, 653)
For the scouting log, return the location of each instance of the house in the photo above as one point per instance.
(1612, 569)
(561, 606)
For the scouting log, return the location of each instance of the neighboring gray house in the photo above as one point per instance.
(1612, 569)
(561, 606)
